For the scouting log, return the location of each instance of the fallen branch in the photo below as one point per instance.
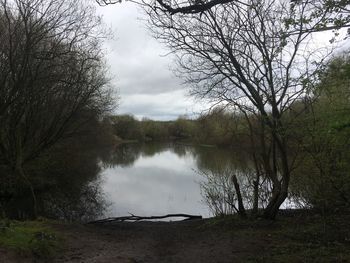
(134, 218)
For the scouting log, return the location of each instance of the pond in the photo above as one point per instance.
(148, 179)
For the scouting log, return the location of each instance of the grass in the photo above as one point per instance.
(30, 238)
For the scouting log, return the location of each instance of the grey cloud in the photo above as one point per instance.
(141, 74)
(146, 76)
(161, 106)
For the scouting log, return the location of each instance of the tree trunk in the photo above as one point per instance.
(22, 174)
(280, 192)
(256, 193)
(272, 209)
(241, 209)
(20, 171)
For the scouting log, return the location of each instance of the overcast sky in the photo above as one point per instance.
(141, 73)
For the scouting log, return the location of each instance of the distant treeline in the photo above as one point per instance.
(219, 127)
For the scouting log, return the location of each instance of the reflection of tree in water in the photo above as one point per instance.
(83, 203)
(126, 155)
(76, 194)
(210, 158)
(123, 155)
(182, 150)
(151, 149)
(67, 185)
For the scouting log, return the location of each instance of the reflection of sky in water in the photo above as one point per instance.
(158, 185)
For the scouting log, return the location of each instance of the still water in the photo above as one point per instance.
(155, 179)
(145, 180)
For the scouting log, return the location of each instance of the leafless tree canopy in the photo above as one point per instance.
(238, 52)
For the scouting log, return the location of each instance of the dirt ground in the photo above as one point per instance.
(153, 242)
(191, 241)
(289, 240)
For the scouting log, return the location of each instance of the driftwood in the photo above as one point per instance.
(134, 218)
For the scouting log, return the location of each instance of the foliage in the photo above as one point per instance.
(219, 127)
(154, 130)
(323, 174)
(182, 128)
(126, 127)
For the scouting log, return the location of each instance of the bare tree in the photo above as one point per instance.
(339, 9)
(52, 76)
(174, 7)
(257, 56)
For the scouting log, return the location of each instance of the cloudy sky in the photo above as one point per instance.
(140, 70)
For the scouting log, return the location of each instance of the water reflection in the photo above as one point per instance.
(161, 180)
(67, 185)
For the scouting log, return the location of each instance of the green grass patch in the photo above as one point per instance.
(28, 238)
